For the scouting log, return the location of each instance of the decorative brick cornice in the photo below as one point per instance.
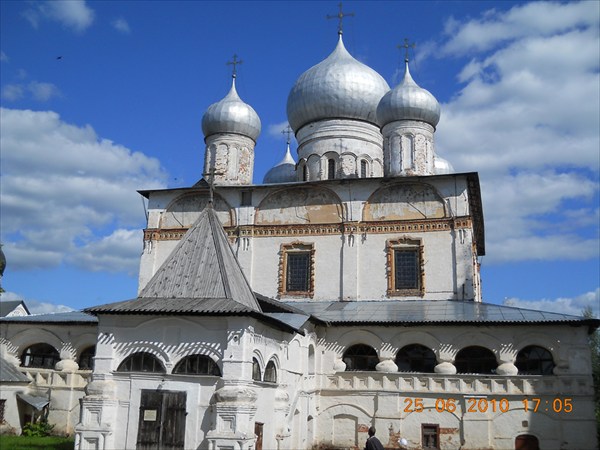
(379, 227)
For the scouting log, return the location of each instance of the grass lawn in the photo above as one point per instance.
(32, 443)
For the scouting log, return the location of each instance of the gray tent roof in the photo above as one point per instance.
(10, 374)
(202, 266)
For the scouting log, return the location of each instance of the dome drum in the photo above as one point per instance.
(408, 148)
(342, 137)
(232, 158)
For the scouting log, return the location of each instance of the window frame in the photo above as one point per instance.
(156, 363)
(40, 356)
(420, 359)
(87, 355)
(213, 369)
(256, 372)
(474, 359)
(270, 370)
(430, 429)
(364, 360)
(288, 249)
(414, 246)
(537, 364)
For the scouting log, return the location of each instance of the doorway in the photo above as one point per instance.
(527, 442)
(258, 431)
(162, 420)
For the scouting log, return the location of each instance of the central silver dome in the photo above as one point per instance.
(340, 87)
(231, 115)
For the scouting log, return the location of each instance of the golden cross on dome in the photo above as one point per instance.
(288, 131)
(406, 46)
(234, 63)
(340, 15)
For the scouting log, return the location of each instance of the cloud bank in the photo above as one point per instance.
(69, 196)
(526, 118)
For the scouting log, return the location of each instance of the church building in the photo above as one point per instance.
(342, 292)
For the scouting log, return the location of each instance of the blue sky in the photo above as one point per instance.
(100, 99)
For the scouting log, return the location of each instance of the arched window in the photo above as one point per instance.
(416, 358)
(141, 362)
(271, 373)
(256, 375)
(304, 173)
(360, 357)
(86, 358)
(43, 356)
(363, 169)
(534, 360)
(475, 359)
(311, 360)
(197, 365)
(330, 169)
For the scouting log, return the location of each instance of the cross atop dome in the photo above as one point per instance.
(406, 46)
(234, 63)
(340, 16)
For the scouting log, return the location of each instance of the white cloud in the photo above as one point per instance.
(35, 306)
(43, 91)
(65, 191)
(527, 121)
(118, 252)
(564, 305)
(532, 19)
(277, 130)
(121, 25)
(12, 92)
(74, 14)
(39, 91)
(3, 56)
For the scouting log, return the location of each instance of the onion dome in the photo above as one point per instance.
(339, 87)
(442, 166)
(231, 115)
(408, 101)
(284, 171)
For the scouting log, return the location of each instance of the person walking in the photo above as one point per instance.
(372, 442)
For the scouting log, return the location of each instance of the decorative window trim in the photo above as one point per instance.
(285, 250)
(405, 244)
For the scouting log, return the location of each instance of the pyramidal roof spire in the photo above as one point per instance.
(203, 267)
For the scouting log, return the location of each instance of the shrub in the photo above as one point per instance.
(38, 429)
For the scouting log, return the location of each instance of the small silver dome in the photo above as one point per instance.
(442, 166)
(231, 115)
(408, 101)
(284, 171)
(339, 87)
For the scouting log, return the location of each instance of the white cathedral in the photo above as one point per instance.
(341, 293)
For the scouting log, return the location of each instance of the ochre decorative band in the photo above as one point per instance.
(381, 227)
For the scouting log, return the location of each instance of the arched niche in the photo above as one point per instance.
(404, 201)
(297, 205)
(183, 211)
